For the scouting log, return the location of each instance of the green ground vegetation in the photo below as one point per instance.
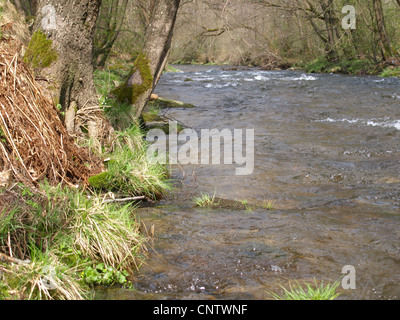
(129, 172)
(391, 72)
(71, 241)
(205, 200)
(322, 65)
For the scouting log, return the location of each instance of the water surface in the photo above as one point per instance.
(327, 153)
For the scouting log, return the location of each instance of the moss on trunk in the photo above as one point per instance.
(131, 90)
(40, 53)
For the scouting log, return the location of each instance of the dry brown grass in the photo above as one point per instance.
(34, 143)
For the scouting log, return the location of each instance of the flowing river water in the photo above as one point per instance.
(327, 153)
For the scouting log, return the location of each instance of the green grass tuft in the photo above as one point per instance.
(129, 172)
(64, 233)
(316, 292)
(205, 200)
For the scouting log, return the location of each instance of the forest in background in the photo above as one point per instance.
(264, 33)
(286, 33)
(268, 34)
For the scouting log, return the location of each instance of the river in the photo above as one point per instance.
(327, 154)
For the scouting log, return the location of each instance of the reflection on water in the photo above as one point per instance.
(326, 152)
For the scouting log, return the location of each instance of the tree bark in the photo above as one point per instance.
(73, 39)
(26, 6)
(71, 76)
(151, 61)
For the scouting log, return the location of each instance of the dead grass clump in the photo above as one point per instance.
(34, 144)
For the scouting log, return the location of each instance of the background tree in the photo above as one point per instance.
(27, 6)
(109, 24)
(152, 58)
(383, 39)
(278, 33)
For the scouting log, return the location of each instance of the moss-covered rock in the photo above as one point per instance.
(101, 181)
(154, 121)
(162, 103)
(40, 52)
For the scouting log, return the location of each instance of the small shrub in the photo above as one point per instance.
(101, 274)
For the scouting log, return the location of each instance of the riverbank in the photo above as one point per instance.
(58, 242)
(353, 67)
(321, 65)
(73, 239)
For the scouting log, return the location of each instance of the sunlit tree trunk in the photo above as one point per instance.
(152, 59)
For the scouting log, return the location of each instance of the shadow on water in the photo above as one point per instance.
(326, 153)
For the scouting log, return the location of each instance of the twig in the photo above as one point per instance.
(9, 243)
(125, 199)
(5, 258)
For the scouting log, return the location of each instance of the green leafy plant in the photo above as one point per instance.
(101, 274)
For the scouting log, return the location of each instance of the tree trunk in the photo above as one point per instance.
(70, 24)
(72, 36)
(384, 42)
(26, 6)
(150, 63)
